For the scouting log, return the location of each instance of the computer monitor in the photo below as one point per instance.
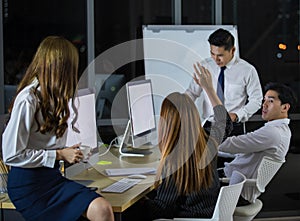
(107, 87)
(111, 105)
(141, 114)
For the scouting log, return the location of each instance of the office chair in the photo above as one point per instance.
(226, 202)
(266, 171)
(3, 121)
(9, 94)
(3, 168)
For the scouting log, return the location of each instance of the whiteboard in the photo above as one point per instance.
(170, 52)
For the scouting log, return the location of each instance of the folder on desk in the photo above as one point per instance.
(129, 171)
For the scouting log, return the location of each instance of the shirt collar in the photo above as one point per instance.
(35, 82)
(278, 122)
(231, 62)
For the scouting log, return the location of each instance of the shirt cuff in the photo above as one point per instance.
(242, 116)
(50, 158)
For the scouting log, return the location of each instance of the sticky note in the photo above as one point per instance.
(103, 162)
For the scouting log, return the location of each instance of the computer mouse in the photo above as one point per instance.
(137, 176)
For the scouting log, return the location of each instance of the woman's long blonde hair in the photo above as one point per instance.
(55, 65)
(183, 144)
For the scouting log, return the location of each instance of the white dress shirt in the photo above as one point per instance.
(22, 145)
(272, 140)
(241, 84)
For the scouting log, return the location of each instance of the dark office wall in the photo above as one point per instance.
(121, 21)
(26, 23)
(262, 25)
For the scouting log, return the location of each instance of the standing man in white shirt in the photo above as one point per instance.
(272, 140)
(242, 89)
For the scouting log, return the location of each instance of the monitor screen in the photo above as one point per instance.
(107, 87)
(111, 105)
(141, 111)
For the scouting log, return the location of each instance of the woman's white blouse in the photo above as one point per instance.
(22, 144)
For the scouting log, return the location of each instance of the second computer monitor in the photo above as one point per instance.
(141, 111)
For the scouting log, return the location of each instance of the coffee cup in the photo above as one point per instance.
(85, 151)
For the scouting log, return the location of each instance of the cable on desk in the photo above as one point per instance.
(109, 146)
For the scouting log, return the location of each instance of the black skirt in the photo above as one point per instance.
(44, 194)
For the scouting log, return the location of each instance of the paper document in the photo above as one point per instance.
(129, 171)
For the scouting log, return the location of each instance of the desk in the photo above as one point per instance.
(94, 176)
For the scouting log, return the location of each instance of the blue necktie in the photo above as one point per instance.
(220, 87)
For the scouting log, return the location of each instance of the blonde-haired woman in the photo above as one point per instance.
(35, 136)
(187, 179)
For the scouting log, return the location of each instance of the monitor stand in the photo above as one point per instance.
(125, 151)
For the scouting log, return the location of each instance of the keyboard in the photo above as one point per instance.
(121, 185)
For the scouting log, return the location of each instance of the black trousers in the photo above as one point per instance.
(238, 129)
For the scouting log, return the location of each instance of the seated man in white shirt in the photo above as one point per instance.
(272, 140)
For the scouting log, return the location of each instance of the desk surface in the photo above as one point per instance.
(94, 176)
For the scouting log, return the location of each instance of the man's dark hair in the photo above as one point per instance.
(285, 94)
(222, 38)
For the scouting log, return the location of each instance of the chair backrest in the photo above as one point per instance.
(3, 119)
(228, 197)
(266, 171)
